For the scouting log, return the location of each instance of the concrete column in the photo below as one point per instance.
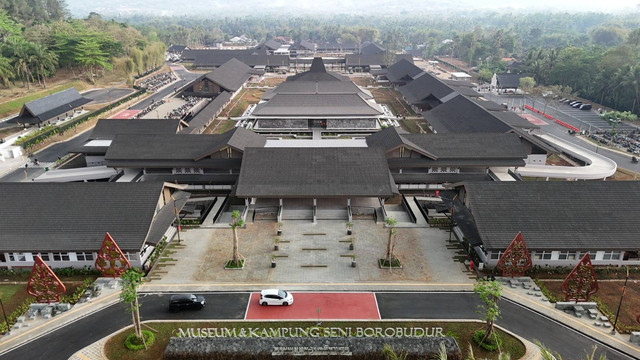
(246, 202)
(348, 201)
(315, 202)
(280, 201)
(382, 201)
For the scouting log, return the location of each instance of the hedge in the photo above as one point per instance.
(133, 342)
(77, 121)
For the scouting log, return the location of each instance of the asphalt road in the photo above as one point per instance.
(102, 96)
(623, 160)
(64, 342)
(522, 321)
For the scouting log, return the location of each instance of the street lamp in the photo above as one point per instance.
(175, 212)
(624, 289)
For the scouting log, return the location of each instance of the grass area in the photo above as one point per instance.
(13, 106)
(624, 175)
(14, 295)
(462, 332)
(272, 81)
(241, 102)
(414, 125)
(608, 296)
(219, 126)
(393, 100)
(234, 264)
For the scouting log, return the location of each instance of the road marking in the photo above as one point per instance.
(246, 310)
(375, 297)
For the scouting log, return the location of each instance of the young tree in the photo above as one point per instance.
(391, 223)
(131, 279)
(489, 293)
(237, 221)
(528, 85)
(6, 71)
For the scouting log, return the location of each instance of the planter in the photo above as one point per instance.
(273, 263)
(279, 232)
(349, 232)
(275, 247)
(351, 246)
(353, 263)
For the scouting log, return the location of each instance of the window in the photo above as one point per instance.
(44, 256)
(567, 255)
(495, 255)
(542, 255)
(592, 254)
(60, 256)
(84, 256)
(611, 255)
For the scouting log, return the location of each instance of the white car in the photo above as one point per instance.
(275, 297)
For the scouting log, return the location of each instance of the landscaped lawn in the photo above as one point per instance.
(394, 100)
(462, 332)
(240, 103)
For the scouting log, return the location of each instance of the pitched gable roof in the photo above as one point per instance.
(272, 45)
(125, 210)
(230, 75)
(423, 86)
(317, 72)
(371, 49)
(309, 172)
(463, 115)
(317, 105)
(402, 70)
(373, 59)
(557, 215)
(51, 106)
(509, 81)
(107, 129)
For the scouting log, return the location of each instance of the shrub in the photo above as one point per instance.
(395, 263)
(134, 343)
(75, 297)
(492, 344)
(19, 311)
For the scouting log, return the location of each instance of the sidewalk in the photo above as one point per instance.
(33, 329)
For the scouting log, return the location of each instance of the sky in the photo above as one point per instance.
(243, 7)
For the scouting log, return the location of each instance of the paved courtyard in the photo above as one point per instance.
(311, 253)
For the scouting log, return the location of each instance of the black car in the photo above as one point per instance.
(186, 301)
(585, 107)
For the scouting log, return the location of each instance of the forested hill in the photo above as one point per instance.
(37, 38)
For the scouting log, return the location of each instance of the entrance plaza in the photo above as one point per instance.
(310, 256)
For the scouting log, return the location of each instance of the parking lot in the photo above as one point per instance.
(590, 120)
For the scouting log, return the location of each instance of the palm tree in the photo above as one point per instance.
(237, 221)
(388, 256)
(21, 53)
(6, 71)
(43, 61)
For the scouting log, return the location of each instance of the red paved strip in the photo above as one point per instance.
(125, 114)
(534, 120)
(333, 306)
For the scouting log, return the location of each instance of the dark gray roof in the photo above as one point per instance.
(403, 70)
(166, 216)
(230, 75)
(559, 215)
(318, 72)
(370, 48)
(316, 105)
(272, 45)
(76, 216)
(177, 48)
(179, 149)
(314, 172)
(335, 46)
(51, 106)
(461, 115)
(509, 81)
(215, 58)
(303, 45)
(423, 86)
(107, 129)
(316, 87)
(204, 117)
(373, 59)
(471, 146)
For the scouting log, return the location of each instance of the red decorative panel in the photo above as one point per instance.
(516, 260)
(581, 283)
(111, 260)
(43, 284)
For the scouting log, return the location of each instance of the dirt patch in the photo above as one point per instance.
(363, 81)
(219, 126)
(557, 161)
(624, 175)
(415, 125)
(609, 294)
